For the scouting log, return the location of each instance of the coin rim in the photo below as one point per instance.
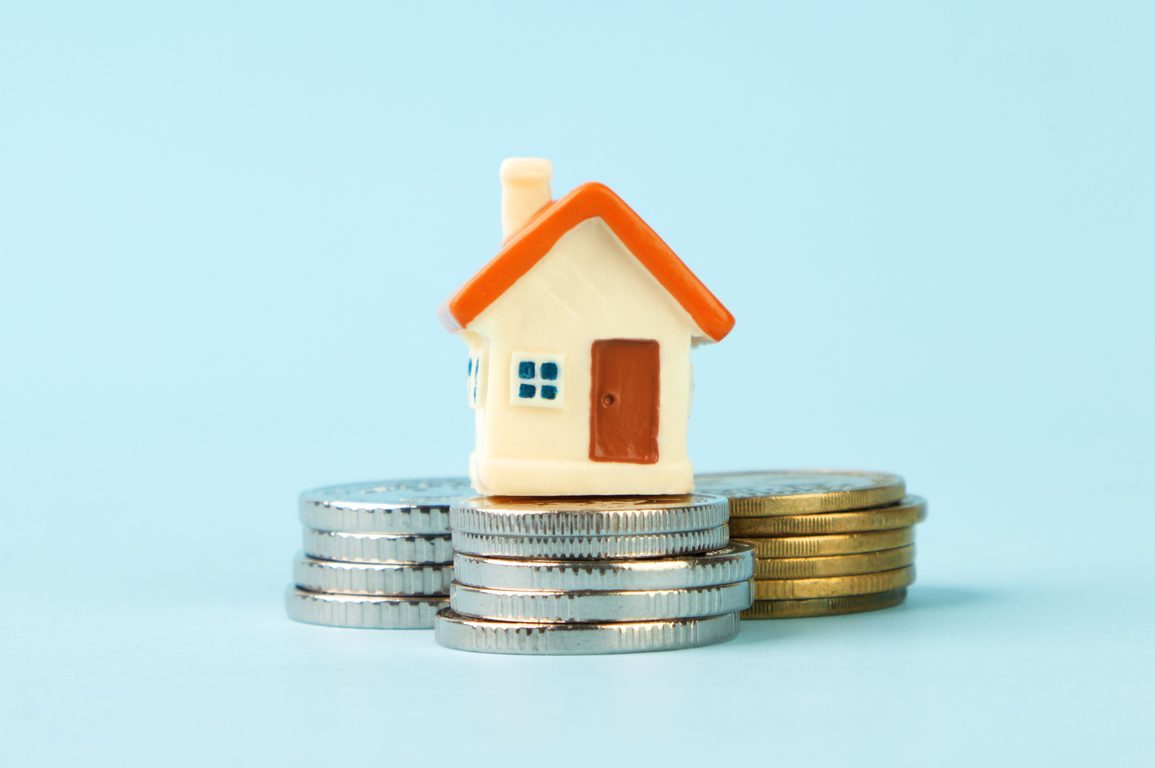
(834, 586)
(316, 574)
(767, 547)
(599, 606)
(881, 494)
(451, 630)
(633, 546)
(814, 607)
(764, 567)
(326, 508)
(910, 511)
(332, 495)
(340, 553)
(303, 606)
(734, 562)
(535, 517)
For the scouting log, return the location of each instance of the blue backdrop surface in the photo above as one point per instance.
(225, 231)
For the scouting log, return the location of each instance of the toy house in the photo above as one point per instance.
(579, 335)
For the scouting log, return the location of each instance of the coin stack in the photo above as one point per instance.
(376, 555)
(826, 542)
(574, 576)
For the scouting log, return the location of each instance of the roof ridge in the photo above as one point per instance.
(589, 200)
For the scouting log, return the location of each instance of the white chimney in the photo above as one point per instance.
(524, 191)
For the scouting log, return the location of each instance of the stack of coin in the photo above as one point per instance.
(376, 555)
(826, 542)
(572, 576)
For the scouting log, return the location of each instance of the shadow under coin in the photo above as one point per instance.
(935, 597)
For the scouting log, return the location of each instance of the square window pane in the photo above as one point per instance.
(525, 370)
(548, 391)
(526, 390)
(549, 371)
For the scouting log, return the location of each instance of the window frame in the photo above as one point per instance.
(537, 380)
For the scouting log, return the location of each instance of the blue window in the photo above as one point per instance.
(474, 381)
(536, 380)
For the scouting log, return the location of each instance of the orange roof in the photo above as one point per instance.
(528, 246)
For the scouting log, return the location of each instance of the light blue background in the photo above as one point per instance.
(225, 230)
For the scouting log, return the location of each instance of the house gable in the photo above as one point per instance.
(553, 222)
(588, 286)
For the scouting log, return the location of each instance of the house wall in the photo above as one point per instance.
(587, 287)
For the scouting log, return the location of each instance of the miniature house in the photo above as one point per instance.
(579, 334)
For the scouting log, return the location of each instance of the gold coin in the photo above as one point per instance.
(801, 492)
(824, 606)
(820, 546)
(838, 565)
(833, 586)
(912, 510)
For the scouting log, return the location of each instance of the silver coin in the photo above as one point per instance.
(387, 506)
(724, 566)
(371, 578)
(362, 611)
(571, 607)
(378, 547)
(593, 547)
(588, 517)
(481, 636)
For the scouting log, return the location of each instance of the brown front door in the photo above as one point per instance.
(624, 399)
